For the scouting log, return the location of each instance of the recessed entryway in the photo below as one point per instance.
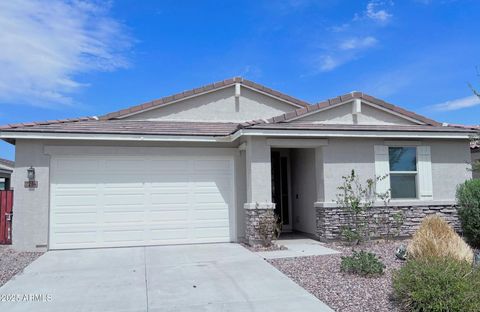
(294, 188)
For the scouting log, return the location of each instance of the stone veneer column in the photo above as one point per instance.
(259, 204)
(255, 215)
(330, 220)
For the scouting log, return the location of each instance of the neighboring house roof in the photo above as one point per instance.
(114, 124)
(6, 165)
(198, 91)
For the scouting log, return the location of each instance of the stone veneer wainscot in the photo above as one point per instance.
(331, 219)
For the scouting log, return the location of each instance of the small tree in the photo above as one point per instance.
(475, 138)
(357, 198)
(468, 199)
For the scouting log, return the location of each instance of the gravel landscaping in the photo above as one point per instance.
(13, 262)
(321, 276)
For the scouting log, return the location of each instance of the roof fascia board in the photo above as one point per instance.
(351, 134)
(112, 137)
(238, 134)
(363, 101)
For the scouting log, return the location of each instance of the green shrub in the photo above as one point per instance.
(362, 263)
(468, 198)
(437, 284)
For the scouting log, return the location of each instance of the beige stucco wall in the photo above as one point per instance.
(450, 163)
(222, 106)
(325, 165)
(342, 114)
(31, 207)
(303, 189)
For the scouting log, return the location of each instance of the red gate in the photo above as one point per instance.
(6, 205)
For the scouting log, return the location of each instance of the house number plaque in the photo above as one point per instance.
(31, 184)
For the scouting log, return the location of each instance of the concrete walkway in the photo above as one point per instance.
(213, 277)
(297, 247)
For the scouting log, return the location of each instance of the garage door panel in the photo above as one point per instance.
(74, 237)
(141, 200)
(173, 215)
(217, 233)
(123, 235)
(123, 217)
(167, 199)
(128, 198)
(76, 217)
(76, 200)
(78, 165)
(211, 214)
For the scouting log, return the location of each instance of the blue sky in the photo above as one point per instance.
(80, 58)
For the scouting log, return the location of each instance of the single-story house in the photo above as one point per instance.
(6, 169)
(205, 165)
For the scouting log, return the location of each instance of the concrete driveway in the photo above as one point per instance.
(211, 277)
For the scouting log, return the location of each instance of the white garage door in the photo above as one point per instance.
(134, 201)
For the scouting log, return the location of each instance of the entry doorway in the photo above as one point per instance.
(281, 187)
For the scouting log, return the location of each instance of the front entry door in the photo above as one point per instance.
(281, 188)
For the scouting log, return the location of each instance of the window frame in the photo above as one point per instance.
(403, 172)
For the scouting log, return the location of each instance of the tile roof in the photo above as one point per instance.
(109, 124)
(48, 122)
(7, 163)
(131, 127)
(210, 87)
(348, 97)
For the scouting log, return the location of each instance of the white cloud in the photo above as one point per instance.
(358, 43)
(327, 63)
(465, 102)
(45, 46)
(345, 51)
(374, 12)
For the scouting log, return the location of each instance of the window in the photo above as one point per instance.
(403, 172)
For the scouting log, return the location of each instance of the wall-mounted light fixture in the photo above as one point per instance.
(31, 173)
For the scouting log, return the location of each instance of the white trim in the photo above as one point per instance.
(112, 137)
(237, 90)
(382, 168)
(346, 134)
(424, 168)
(357, 107)
(299, 143)
(361, 101)
(243, 132)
